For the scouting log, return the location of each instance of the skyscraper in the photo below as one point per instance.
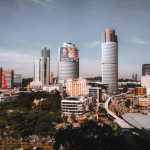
(68, 63)
(41, 70)
(37, 70)
(110, 60)
(45, 66)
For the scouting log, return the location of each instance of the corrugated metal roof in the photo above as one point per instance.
(138, 120)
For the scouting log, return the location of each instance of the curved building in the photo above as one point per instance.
(110, 60)
(68, 63)
(145, 69)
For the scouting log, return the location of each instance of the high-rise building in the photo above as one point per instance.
(110, 60)
(41, 75)
(68, 63)
(145, 69)
(37, 70)
(76, 87)
(45, 66)
(17, 80)
(6, 78)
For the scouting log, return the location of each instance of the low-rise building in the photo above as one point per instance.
(140, 91)
(4, 98)
(142, 101)
(52, 88)
(36, 85)
(76, 105)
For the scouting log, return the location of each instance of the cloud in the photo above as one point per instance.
(44, 3)
(21, 63)
(138, 40)
(11, 57)
(37, 44)
(92, 44)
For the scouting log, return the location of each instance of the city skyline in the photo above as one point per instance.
(28, 26)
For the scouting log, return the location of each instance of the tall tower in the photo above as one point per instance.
(45, 66)
(110, 60)
(37, 69)
(68, 63)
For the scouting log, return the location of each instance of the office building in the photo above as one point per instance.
(95, 92)
(76, 105)
(68, 63)
(110, 60)
(17, 80)
(45, 66)
(37, 70)
(76, 87)
(145, 69)
(6, 78)
(41, 75)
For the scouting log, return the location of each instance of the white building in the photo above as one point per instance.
(76, 87)
(148, 90)
(37, 69)
(41, 70)
(51, 88)
(145, 80)
(36, 85)
(110, 60)
(76, 105)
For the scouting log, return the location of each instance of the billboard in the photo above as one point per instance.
(68, 52)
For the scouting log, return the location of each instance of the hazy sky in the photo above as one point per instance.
(26, 26)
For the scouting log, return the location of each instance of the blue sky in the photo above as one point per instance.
(26, 26)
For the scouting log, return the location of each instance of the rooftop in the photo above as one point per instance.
(137, 120)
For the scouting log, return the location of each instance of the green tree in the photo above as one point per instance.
(89, 136)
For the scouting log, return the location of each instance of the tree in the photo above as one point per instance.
(125, 89)
(89, 136)
(127, 103)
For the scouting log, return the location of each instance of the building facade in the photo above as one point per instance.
(41, 75)
(110, 60)
(145, 80)
(45, 66)
(140, 91)
(145, 69)
(37, 70)
(68, 63)
(6, 78)
(17, 80)
(96, 92)
(76, 87)
(75, 105)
